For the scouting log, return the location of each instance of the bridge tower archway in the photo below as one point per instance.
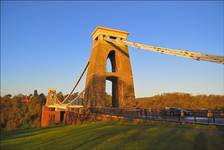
(120, 75)
(111, 67)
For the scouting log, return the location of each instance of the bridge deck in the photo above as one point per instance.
(64, 106)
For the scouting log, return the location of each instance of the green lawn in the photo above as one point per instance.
(117, 135)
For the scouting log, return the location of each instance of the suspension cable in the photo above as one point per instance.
(80, 94)
(169, 51)
(80, 77)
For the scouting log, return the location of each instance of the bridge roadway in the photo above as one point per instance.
(155, 115)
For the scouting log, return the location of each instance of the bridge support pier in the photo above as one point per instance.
(50, 117)
(121, 74)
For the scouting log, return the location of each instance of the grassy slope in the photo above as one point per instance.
(117, 135)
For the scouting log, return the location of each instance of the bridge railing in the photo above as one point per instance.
(196, 117)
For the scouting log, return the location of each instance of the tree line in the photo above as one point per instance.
(16, 113)
(21, 111)
(182, 100)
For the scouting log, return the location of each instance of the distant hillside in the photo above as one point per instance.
(183, 100)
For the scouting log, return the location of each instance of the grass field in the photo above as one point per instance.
(117, 135)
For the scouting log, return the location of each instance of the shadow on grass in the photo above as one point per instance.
(117, 135)
(74, 135)
(25, 132)
(200, 142)
(101, 135)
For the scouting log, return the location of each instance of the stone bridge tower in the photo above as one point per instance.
(120, 76)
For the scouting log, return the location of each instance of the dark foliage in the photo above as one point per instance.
(16, 113)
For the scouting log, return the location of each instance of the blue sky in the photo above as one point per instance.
(46, 44)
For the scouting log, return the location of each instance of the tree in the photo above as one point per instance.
(42, 99)
(108, 100)
(35, 93)
(9, 95)
(60, 96)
